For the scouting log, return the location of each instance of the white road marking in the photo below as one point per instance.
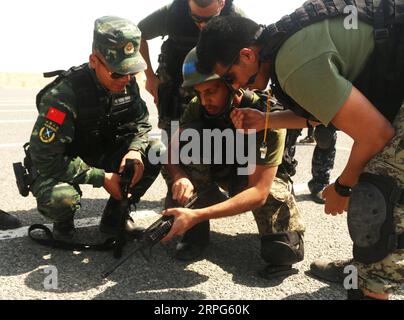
(301, 188)
(79, 223)
(17, 121)
(17, 110)
(17, 104)
(11, 145)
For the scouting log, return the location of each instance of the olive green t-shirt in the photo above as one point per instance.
(275, 138)
(317, 65)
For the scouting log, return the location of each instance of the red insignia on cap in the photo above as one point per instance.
(56, 116)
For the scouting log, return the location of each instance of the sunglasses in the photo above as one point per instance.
(227, 77)
(200, 19)
(115, 75)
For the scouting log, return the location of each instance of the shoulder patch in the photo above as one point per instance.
(56, 115)
(47, 135)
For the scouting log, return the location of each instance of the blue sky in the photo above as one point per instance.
(45, 35)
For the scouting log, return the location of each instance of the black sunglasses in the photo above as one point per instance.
(201, 19)
(227, 77)
(115, 75)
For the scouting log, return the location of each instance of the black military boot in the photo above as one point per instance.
(332, 271)
(110, 221)
(64, 230)
(8, 221)
(281, 251)
(193, 243)
(195, 240)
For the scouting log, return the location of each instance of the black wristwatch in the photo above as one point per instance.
(343, 191)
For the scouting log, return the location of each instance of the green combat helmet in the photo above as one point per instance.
(117, 42)
(190, 73)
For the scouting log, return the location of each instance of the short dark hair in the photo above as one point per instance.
(222, 39)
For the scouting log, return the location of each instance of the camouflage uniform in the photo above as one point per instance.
(323, 159)
(280, 212)
(83, 130)
(387, 275)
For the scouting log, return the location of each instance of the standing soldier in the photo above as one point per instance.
(181, 21)
(91, 120)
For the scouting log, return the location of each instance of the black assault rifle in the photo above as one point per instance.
(124, 207)
(151, 236)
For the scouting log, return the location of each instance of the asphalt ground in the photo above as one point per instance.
(227, 272)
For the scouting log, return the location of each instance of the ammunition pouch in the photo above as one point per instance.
(25, 173)
(371, 218)
(282, 249)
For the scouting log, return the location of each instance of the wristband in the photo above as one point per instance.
(343, 191)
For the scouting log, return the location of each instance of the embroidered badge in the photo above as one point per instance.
(129, 48)
(47, 135)
(48, 132)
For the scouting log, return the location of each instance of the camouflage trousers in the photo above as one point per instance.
(323, 158)
(59, 201)
(387, 275)
(279, 213)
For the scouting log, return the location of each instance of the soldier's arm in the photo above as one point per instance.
(154, 25)
(251, 198)
(52, 133)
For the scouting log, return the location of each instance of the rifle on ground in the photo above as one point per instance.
(151, 236)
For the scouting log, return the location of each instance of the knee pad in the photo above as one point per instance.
(282, 248)
(371, 218)
(325, 137)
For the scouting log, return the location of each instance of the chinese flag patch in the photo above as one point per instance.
(56, 116)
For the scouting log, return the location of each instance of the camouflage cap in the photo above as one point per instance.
(190, 73)
(117, 40)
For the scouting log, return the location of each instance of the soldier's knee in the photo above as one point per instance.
(284, 248)
(325, 137)
(59, 203)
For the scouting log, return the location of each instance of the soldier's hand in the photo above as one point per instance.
(246, 118)
(152, 85)
(112, 186)
(185, 219)
(136, 156)
(182, 190)
(334, 203)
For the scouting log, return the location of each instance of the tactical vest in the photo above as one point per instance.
(102, 122)
(382, 78)
(183, 35)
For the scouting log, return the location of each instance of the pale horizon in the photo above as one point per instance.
(44, 35)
